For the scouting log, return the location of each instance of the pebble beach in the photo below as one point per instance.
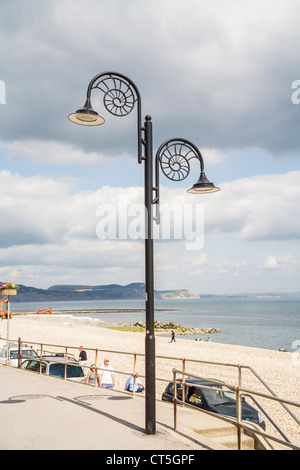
(280, 370)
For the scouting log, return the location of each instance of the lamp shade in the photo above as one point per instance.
(86, 116)
(203, 186)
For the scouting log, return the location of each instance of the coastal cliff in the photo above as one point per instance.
(178, 294)
(101, 292)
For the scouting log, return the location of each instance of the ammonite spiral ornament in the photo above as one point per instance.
(119, 97)
(174, 160)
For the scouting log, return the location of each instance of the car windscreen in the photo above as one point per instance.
(58, 370)
(34, 366)
(217, 397)
(170, 390)
(25, 353)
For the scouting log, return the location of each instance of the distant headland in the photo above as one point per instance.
(117, 292)
(102, 292)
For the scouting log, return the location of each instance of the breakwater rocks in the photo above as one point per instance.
(161, 327)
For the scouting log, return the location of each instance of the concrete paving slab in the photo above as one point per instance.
(42, 412)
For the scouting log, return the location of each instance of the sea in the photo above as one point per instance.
(266, 322)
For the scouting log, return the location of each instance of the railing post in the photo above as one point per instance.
(175, 399)
(7, 333)
(41, 357)
(240, 375)
(96, 369)
(238, 416)
(183, 381)
(96, 375)
(66, 360)
(19, 353)
(134, 373)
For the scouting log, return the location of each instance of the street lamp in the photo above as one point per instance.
(173, 157)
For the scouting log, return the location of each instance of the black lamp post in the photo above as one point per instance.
(173, 156)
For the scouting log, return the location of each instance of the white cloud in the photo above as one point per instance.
(280, 262)
(258, 208)
(270, 262)
(49, 152)
(47, 225)
(44, 210)
(74, 261)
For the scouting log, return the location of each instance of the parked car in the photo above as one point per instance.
(55, 366)
(13, 351)
(217, 401)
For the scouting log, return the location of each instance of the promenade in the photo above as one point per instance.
(44, 413)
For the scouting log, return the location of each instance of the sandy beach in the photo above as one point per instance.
(280, 370)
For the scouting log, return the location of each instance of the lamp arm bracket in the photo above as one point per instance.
(173, 157)
(120, 96)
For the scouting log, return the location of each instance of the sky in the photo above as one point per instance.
(223, 75)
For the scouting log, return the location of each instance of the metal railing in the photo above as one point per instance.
(239, 392)
(42, 353)
(41, 347)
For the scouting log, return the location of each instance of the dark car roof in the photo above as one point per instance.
(200, 382)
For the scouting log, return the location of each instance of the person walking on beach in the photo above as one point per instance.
(82, 356)
(107, 378)
(173, 337)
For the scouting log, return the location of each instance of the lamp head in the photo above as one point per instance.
(86, 116)
(203, 186)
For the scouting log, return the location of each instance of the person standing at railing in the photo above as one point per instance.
(82, 356)
(107, 377)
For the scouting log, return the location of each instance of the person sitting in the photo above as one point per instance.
(92, 377)
(195, 397)
(139, 387)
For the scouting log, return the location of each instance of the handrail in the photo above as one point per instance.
(271, 391)
(268, 417)
(240, 367)
(135, 374)
(239, 393)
